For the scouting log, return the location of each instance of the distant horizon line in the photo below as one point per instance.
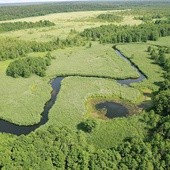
(53, 1)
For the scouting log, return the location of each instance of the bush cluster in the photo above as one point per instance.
(27, 66)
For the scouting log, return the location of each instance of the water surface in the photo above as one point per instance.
(113, 109)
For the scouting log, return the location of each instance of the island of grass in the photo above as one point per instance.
(28, 96)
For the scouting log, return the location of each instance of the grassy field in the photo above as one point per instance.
(99, 60)
(163, 41)
(112, 133)
(70, 108)
(22, 100)
(139, 55)
(64, 23)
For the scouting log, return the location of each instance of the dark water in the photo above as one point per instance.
(113, 110)
(8, 127)
(129, 81)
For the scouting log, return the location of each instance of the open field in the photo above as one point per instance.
(139, 55)
(111, 133)
(64, 23)
(99, 60)
(22, 100)
(163, 41)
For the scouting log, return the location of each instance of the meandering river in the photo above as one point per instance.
(7, 127)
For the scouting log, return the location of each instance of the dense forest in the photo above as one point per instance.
(13, 12)
(12, 26)
(126, 34)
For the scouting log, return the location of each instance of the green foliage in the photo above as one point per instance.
(110, 17)
(88, 125)
(40, 150)
(61, 148)
(126, 34)
(165, 85)
(162, 102)
(144, 62)
(151, 119)
(13, 48)
(12, 12)
(27, 66)
(98, 61)
(12, 26)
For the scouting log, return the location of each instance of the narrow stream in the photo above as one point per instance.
(7, 127)
(129, 81)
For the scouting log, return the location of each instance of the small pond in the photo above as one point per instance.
(112, 109)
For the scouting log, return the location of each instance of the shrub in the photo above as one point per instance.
(89, 125)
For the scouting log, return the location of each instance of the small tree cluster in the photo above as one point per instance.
(27, 66)
(89, 125)
(110, 17)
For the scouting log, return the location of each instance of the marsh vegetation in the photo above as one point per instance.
(72, 119)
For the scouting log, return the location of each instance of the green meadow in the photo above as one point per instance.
(22, 100)
(71, 109)
(163, 41)
(137, 53)
(98, 61)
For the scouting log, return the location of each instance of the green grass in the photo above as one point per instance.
(163, 41)
(70, 108)
(99, 60)
(113, 132)
(139, 55)
(22, 100)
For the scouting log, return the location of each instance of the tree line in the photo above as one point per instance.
(162, 97)
(126, 34)
(110, 17)
(14, 48)
(12, 26)
(22, 11)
